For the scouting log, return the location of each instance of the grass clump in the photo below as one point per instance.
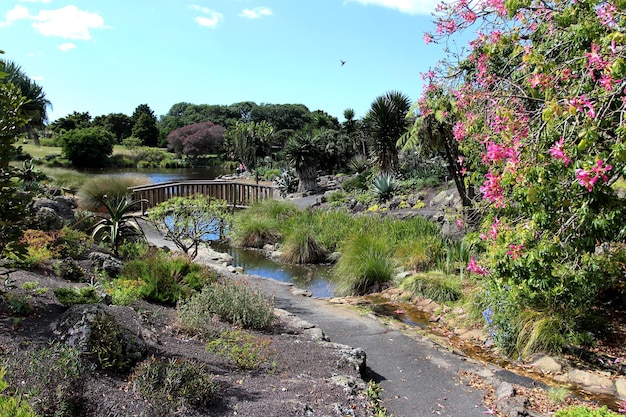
(97, 189)
(172, 386)
(112, 348)
(244, 350)
(71, 296)
(261, 223)
(235, 302)
(582, 411)
(366, 264)
(434, 285)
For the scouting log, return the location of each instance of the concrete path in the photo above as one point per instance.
(418, 378)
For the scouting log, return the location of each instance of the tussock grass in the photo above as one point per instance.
(263, 223)
(92, 192)
(434, 285)
(538, 331)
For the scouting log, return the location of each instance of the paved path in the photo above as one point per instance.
(418, 378)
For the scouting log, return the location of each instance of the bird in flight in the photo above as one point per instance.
(342, 62)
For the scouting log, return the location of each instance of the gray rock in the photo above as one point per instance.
(620, 387)
(548, 365)
(109, 263)
(505, 390)
(592, 381)
(47, 219)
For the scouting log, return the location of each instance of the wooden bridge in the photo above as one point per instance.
(236, 194)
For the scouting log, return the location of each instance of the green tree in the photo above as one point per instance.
(387, 122)
(191, 221)
(89, 147)
(303, 153)
(72, 121)
(36, 106)
(119, 124)
(145, 125)
(12, 200)
(248, 141)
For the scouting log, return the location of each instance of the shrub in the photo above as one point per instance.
(88, 147)
(124, 292)
(581, 411)
(71, 296)
(69, 269)
(172, 385)
(421, 253)
(358, 164)
(111, 347)
(366, 264)
(236, 302)
(246, 351)
(436, 286)
(357, 183)
(337, 196)
(119, 225)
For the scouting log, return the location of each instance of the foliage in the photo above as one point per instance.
(190, 221)
(303, 153)
(384, 186)
(10, 405)
(366, 264)
(235, 302)
(172, 385)
(246, 351)
(387, 121)
(110, 346)
(248, 141)
(120, 223)
(358, 163)
(301, 245)
(259, 224)
(196, 139)
(71, 296)
(119, 124)
(436, 286)
(87, 148)
(145, 125)
(537, 115)
(94, 191)
(582, 411)
(161, 278)
(359, 182)
(287, 182)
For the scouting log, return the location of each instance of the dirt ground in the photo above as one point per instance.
(301, 377)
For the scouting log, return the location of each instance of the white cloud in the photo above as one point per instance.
(256, 12)
(16, 13)
(68, 22)
(211, 19)
(64, 47)
(35, 1)
(412, 7)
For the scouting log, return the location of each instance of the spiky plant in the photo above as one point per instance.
(384, 186)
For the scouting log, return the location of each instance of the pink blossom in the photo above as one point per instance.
(473, 266)
(515, 251)
(427, 38)
(601, 170)
(607, 14)
(588, 181)
(492, 189)
(557, 152)
(582, 103)
(459, 131)
(595, 61)
(608, 82)
(459, 223)
(495, 152)
(585, 179)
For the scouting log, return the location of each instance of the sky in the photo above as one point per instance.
(109, 56)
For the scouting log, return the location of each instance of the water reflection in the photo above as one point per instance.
(314, 278)
(157, 175)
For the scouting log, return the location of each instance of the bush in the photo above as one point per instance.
(111, 347)
(246, 351)
(71, 296)
(236, 302)
(87, 148)
(581, 411)
(357, 183)
(172, 385)
(436, 286)
(261, 223)
(366, 264)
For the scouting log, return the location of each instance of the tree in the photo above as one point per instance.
(191, 221)
(89, 147)
(119, 124)
(196, 139)
(247, 141)
(36, 106)
(12, 200)
(145, 125)
(539, 102)
(72, 121)
(303, 153)
(387, 122)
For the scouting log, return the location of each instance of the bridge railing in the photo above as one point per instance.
(238, 194)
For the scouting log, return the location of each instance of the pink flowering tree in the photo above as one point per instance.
(538, 106)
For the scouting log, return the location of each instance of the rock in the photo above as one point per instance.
(109, 263)
(592, 381)
(475, 334)
(547, 365)
(620, 388)
(349, 356)
(505, 390)
(47, 219)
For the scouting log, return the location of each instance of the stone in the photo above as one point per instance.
(547, 365)
(620, 388)
(504, 390)
(47, 219)
(592, 381)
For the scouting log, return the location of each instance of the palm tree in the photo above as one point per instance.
(303, 153)
(36, 107)
(387, 121)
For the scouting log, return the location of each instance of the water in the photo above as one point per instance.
(157, 175)
(316, 279)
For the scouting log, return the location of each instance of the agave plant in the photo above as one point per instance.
(358, 164)
(119, 223)
(384, 186)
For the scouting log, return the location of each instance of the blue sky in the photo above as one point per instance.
(109, 56)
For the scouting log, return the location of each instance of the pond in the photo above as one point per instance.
(316, 279)
(157, 175)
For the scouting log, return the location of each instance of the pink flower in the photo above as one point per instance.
(459, 223)
(595, 61)
(427, 38)
(473, 266)
(492, 189)
(583, 103)
(557, 152)
(584, 178)
(607, 14)
(515, 251)
(459, 131)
